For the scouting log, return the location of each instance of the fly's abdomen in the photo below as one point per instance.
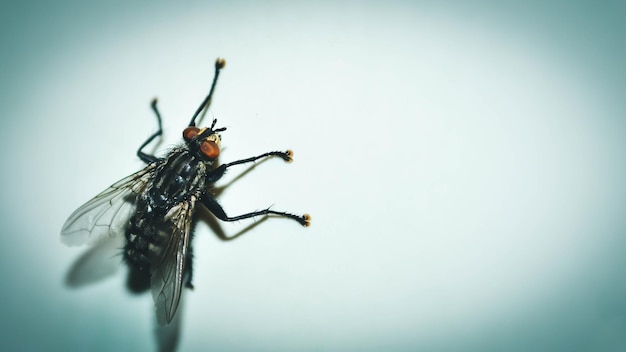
(142, 238)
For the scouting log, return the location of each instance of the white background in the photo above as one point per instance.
(463, 165)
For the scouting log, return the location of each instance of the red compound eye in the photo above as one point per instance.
(190, 132)
(210, 149)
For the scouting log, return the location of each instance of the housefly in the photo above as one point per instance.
(153, 209)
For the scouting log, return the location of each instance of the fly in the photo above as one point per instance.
(153, 208)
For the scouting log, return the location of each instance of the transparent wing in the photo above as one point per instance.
(168, 269)
(107, 213)
(168, 335)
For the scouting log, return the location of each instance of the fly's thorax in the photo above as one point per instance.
(179, 176)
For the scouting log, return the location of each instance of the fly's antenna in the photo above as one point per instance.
(219, 64)
(221, 129)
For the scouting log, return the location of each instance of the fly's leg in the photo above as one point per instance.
(147, 158)
(219, 172)
(219, 64)
(286, 155)
(189, 266)
(218, 211)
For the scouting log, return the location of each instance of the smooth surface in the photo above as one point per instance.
(463, 164)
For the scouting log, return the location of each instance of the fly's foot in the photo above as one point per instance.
(306, 220)
(288, 156)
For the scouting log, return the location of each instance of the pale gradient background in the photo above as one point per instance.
(463, 163)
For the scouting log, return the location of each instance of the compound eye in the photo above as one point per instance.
(210, 149)
(190, 132)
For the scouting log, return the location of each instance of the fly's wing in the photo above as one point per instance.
(107, 213)
(167, 269)
(167, 336)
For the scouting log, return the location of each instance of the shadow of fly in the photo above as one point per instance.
(152, 210)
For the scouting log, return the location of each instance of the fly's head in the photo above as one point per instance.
(204, 143)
